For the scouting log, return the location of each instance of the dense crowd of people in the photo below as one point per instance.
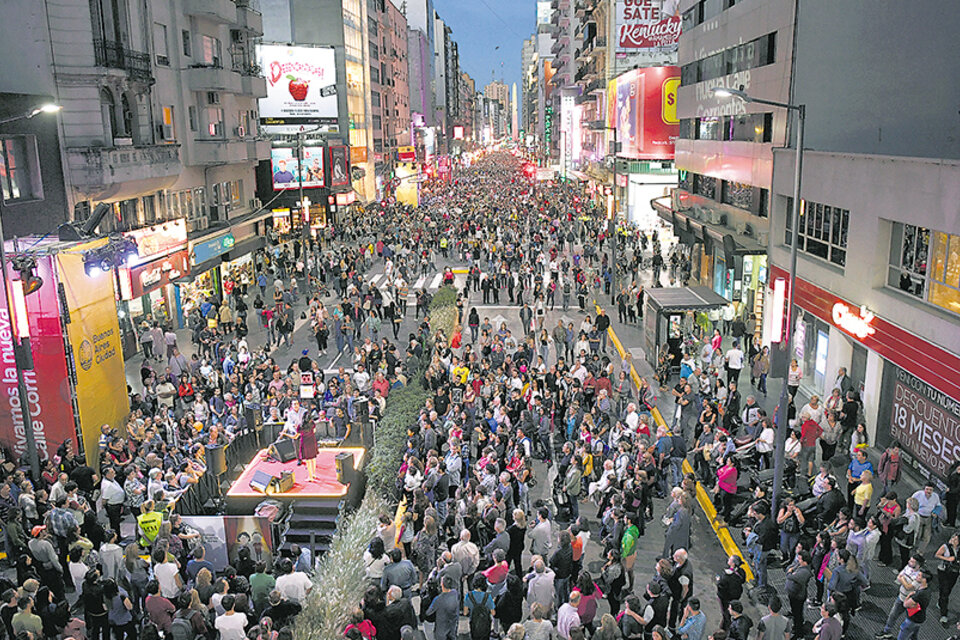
(553, 405)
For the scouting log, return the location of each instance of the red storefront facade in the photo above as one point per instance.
(912, 386)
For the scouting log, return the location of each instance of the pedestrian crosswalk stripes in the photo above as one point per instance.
(430, 283)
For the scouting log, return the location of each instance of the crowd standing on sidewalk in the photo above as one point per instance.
(550, 405)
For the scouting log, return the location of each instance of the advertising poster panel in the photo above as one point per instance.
(94, 338)
(301, 85)
(923, 419)
(48, 385)
(339, 167)
(286, 171)
(648, 25)
(646, 112)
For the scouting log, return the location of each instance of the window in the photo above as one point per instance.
(210, 51)
(375, 98)
(705, 186)
(168, 129)
(752, 127)
(738, 194)
(19, 169)
(192, 117)
(243, 123)
(749, 55)
(822, 232)
(185, 38)
(375, 75)
(215, 122)
(160, 44)
(377, 123)
(708, 128)
(926, 265)
(228, 194)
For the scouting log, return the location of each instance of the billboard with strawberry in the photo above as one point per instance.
(301, 86)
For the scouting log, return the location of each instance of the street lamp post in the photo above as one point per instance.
(19, 323)
(781, 434)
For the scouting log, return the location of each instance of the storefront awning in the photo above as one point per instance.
(685, 299)
(244, 247)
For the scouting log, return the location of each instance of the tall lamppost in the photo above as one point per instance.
(15, 293)
(801, 111)
(612, 225)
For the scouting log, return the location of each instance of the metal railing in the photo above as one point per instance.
(113, 55)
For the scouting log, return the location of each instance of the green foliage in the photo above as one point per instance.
(445, 297)
(444, 318)
(403, 406)
(340, 582)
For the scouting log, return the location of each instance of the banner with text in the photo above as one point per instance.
(923, 419)
(48, 386)
(647, 25)
(94, 338)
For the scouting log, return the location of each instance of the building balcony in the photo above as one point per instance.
(113, 55)
(114, 173)
(599, 45)
(222, 11)
(214, 79)
(248, 17)
(258, 149)
(219, 151)
(253, 86)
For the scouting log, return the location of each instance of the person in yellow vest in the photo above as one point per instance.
(443, 247)
(148, 524)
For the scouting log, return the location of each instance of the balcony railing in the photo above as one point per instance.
(113, 55)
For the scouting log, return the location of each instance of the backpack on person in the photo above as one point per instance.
(182, 628)
(480, 622)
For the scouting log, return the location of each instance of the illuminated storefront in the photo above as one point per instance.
(144, 292)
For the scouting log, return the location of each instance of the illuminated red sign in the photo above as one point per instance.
(153, 275)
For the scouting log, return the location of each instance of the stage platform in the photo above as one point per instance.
(242, 498)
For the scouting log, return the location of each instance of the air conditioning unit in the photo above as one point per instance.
(213, 97)
(203, 222)
(715, 217)
(255, 204)
(763, 238)
(241, 131)
(744, 229)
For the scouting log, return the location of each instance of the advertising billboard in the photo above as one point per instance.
(286, 171)
(93, 335)
(924, 420)
(339, 167)
(647, 25)
(301, 85)
(646, 112)
(48, 387)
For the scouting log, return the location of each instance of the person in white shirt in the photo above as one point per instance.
(231, 625)
(167, 574)
(294, 585)
(113, 497)
(362, 379)
(567, 616)
(734, 361)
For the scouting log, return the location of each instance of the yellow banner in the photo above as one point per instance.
(408, 190)
(94, 339)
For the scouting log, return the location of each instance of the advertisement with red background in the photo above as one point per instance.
(48, 387)
(648, 24)
(646, 112)
(153, 275)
